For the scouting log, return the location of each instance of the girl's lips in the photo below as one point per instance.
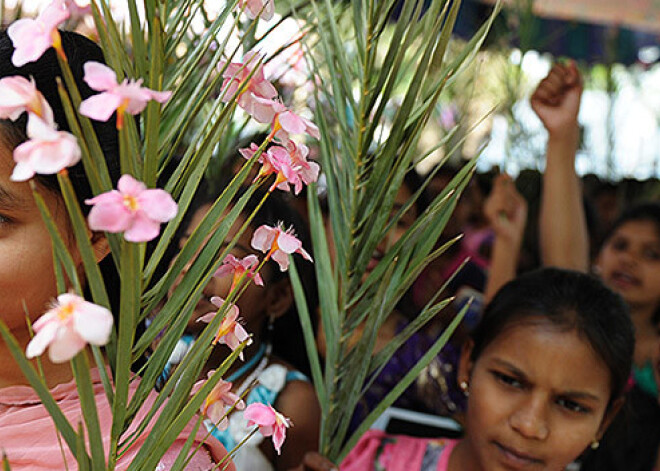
(517, 459)
(625, 280)
(373, 262)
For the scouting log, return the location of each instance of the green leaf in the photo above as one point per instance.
(80, 367)
(81, 457)
(60, 250)
(309, 334)
(128, 314)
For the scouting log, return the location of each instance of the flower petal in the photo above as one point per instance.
(288, 242)
(109, 217)
(263, 238)
(65, 346)
(100, 107)
(130, 186)
(41, 340)
(259, 414)
(99, 76)
(157, 205)
(142, 229)
(29, 41)
(93, 323)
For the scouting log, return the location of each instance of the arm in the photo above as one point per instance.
(563, 229)
(506, 210)
(298, 402)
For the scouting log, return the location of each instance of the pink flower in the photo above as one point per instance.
(278, 244)
(270, 422)
(32, 37)
(48, 151)
(230, 332)
(127, 96)
(307, 170)
(284, 122)
(233, 266)
(276, 161)
(256, 86)
(76, 11)
(68, 326)
(255, 8)
(218, 401)
(132, 209)
(18, 94)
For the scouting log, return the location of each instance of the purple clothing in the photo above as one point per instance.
(435, 391)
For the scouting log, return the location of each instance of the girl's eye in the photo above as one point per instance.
(508, 380)
(619, 245)
(651, 254)
(572, 406)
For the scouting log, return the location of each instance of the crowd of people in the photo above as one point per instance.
(556, 363)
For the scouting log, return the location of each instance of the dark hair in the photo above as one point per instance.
(413, 181)
(641, 212)
(287, 336)
(572, 301)
(45, 71)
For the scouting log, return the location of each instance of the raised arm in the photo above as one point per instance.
(563, 230)
(506, 210)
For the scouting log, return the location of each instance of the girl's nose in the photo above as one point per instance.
(530, 419)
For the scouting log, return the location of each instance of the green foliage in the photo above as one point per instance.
(366, 63)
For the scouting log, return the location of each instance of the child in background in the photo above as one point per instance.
(27, 281)
(277, 354)
(523, 411)
(628, 262)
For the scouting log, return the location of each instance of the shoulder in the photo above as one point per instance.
(298, 400)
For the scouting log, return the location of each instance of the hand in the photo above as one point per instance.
(313, 461)
(506, 209)
(556, 100)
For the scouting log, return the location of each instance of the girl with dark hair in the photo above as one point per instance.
(544, 374)
(628, 262)
(28, 437)
(274, 362)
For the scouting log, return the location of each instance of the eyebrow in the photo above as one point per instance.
(521, 375)
(9, 200)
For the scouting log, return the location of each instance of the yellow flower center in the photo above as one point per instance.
(131, 203)
(65, 311)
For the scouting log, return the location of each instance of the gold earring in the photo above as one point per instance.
(595, 444)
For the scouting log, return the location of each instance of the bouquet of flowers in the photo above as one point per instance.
(182, 79)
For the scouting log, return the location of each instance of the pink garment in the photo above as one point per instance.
(28, 437)
(395, 452)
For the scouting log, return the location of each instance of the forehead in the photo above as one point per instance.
(552, 356)
(12, 194)
(643, 230)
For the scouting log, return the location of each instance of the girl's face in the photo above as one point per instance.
(251, 302)
(537, 398)
(629, 263)
(27, 279)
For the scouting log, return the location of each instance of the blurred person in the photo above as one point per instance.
(271, 370)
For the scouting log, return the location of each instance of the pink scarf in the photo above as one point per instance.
(29, 439)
